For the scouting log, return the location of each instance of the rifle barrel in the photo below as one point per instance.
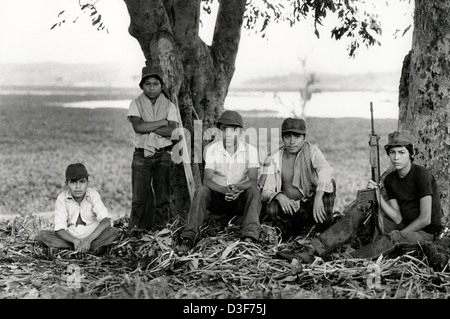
(371, 118)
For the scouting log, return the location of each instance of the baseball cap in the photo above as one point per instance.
(231, 118)
(399, 138)
(293, 125)
(148, 71)
(76, 171)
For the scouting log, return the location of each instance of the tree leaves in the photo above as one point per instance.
(359, 26)
(88, 8)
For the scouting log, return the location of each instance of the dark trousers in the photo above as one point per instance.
(292, 225)
(342, 231)
(247, 204)
(150, 178)
(393, 239)
(348, 226)
(49, 238)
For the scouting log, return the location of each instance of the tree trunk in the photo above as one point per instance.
(424, 92)
(197, 75)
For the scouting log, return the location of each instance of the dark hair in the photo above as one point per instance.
(409, 147)
(156, 76)
(163, 88)
(77, 179)
(292, 133)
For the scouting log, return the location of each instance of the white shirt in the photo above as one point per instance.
(231, 169)
(91, 209)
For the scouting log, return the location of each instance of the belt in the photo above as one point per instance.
(160, 150)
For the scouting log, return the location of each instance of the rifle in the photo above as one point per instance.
(367, 199)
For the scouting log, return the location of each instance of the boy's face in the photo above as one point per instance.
(293, 142)
(230, 135)
(152, 87)
(77, 188)
(399, 157)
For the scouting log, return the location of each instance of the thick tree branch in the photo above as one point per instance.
(146, 19)
(227, 32)
(185, 17)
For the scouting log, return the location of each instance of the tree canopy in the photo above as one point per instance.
(355, 24)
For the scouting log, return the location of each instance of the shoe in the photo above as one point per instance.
(305, 257)
(326, 256)
(184, 247)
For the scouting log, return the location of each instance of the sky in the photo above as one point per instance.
(25, 37)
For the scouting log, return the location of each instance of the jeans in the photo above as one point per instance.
(150, 178)
(348, 226)
(49, 238)
(248, 204)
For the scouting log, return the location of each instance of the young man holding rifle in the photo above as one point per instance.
(410, 215)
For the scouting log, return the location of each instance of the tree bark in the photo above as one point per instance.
(197, 76)
(424, 94)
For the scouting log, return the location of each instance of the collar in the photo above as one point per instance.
(69, 195)
(241, 148)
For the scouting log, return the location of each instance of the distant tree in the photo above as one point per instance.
(309, 87)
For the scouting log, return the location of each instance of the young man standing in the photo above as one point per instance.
(411, 212)
(153, 117)
(297, 183)
(230, 183)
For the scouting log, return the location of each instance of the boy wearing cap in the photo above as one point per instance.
(297, 183)
(153, 118)
(410, 215)
(82, 222)
(229, 183)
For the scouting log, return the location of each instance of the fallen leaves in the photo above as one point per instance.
(219, 266)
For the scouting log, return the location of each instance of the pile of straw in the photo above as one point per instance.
(146, 265)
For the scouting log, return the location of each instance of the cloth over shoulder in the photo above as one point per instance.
(163, 109)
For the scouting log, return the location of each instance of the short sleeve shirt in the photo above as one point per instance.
(409, 190)
(231, 169)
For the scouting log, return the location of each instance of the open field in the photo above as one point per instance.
(37, 142)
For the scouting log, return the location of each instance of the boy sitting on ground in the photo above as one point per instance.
(298, 188)
(229, 183)
(82, 222)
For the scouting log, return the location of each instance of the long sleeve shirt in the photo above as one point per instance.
(320, 179)
(92, 211)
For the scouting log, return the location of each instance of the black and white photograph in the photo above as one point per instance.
(225, 158)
